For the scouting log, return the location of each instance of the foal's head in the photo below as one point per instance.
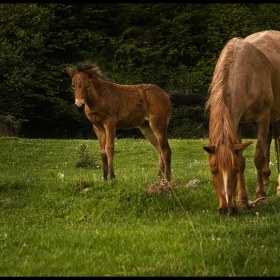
(81, 83)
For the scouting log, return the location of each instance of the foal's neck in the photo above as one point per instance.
(98, 88)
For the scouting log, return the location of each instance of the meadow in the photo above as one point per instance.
(58, 218)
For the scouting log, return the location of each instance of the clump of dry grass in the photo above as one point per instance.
(164, 187)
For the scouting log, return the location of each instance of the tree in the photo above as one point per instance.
(174, 45)
(22, 48)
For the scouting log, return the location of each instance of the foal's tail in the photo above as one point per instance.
(189, 99)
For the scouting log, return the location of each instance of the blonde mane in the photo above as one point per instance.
(222, 132)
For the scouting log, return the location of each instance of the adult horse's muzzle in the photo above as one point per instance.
(228, 211)
(227, 206)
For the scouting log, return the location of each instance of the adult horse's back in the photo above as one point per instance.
(109, 106)
(245, 89)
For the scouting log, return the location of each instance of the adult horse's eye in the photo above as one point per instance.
(214, 169)
(88, 86)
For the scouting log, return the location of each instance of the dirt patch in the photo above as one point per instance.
(164, 187)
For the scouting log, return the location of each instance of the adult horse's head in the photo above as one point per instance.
(81, 83)
(225, 163)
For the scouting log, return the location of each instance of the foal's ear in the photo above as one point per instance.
(71, 71)
(210, 149)
(91, 71)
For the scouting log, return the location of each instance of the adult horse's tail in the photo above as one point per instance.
(277, 150)
(189, 99)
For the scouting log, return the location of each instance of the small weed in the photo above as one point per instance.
(86, 159)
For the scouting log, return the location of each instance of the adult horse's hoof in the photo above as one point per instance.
(259, 201)
(243, 205)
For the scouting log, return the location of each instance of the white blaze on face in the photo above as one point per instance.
(225, 176)
(79, 102)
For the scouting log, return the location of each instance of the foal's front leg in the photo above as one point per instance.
(102, 142)
(110, 131)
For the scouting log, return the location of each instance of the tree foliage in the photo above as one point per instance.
(174, 45)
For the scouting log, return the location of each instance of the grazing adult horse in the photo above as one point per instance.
(245, 89)
(109, 106)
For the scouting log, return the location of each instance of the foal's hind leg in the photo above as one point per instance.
(160, 133)
(162, 147)
(148, 133)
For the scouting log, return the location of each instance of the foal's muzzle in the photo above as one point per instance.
(80, 108)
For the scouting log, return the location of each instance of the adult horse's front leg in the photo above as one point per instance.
(266, 168)
(277, 148)
(261, 157)
(243, 200)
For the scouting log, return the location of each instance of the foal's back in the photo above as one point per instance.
(132, 105)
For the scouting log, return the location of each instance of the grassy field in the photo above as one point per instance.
(57, 219)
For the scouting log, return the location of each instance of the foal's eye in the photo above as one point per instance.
(87, 87)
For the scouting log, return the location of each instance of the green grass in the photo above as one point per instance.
(60, 220)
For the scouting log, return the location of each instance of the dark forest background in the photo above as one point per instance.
(174, 46)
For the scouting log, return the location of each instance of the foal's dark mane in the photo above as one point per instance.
(86, 65)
